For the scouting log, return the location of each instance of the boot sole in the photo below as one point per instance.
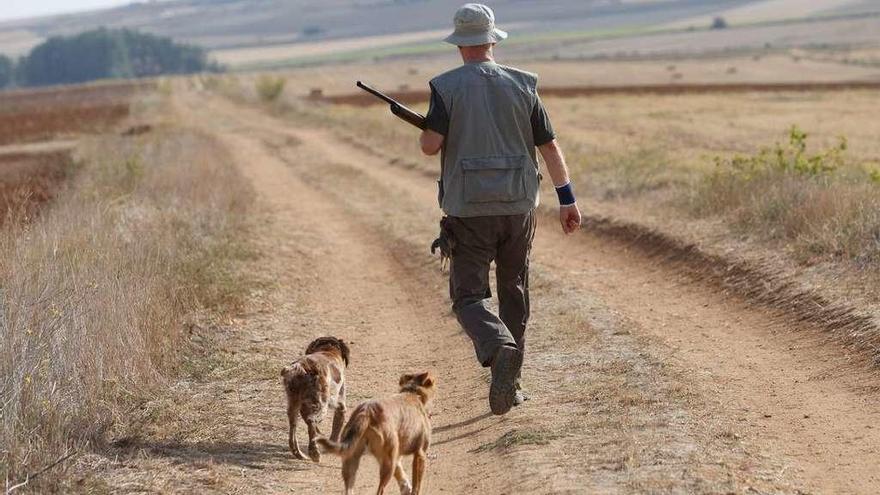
(502, 391)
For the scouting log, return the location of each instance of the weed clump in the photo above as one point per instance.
(270, 88)
(816, 204)
(789, 158)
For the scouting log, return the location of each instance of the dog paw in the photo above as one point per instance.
(298, 455)
(405, 490)
(314, 453)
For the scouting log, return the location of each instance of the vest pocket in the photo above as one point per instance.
(497, 179)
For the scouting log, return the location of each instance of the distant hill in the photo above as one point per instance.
(237, 31)
(218, 24)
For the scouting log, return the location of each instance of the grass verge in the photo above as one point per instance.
(98, 289)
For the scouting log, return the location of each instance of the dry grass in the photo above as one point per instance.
(96, 291)
(703, 155)
(269, 88)
(656, 155)
(816, 203)
(514, 438)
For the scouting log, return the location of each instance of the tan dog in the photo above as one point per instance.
(390, 428)
(313, 384)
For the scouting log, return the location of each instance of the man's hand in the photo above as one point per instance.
(431, 142)
(570, 218)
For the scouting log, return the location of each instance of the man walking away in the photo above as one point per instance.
(487, 120)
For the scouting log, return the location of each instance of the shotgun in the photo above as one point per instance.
(397, 109)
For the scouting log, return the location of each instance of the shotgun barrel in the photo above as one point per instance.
(399, 110)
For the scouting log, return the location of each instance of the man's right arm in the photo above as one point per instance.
(436, 125)
(431, 142)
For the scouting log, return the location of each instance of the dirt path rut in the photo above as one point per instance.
(643, 381)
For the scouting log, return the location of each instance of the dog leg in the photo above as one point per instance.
(386, 470)
(338, 421)
(418, 472)
(314, 453)
(292, 412)
(402, 480)
(338, 415)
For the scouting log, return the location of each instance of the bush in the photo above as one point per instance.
(719, 23)
(311, 31)
(269, 88)
(7, 71)
(792, 157)
(816, 204)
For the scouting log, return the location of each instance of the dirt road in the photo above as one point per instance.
(642, 380)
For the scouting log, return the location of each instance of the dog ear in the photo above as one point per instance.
(425, 379)
(405, 378)
(343, 349)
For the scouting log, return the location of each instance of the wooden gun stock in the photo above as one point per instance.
(397, 109)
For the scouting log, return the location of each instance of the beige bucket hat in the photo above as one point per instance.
(475, 25)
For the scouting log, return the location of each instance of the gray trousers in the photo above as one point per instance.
(507, 240)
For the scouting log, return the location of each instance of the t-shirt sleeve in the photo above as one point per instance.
(438, 118)
(542, 130)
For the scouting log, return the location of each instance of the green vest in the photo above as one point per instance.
(488, 157)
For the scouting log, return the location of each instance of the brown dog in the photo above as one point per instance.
(390, 428)
(313, 384)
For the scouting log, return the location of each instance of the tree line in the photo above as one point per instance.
(103, 54)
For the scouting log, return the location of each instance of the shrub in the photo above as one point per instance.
(269, 88)
(7, 71)
(816, 204)
(719, 23)
(792, 157)
(310, 31)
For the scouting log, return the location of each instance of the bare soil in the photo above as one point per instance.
(416, 97)
(642, 380)
(571, 70)
(45, 114)
(31, 176)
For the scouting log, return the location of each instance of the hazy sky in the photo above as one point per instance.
(11, 9)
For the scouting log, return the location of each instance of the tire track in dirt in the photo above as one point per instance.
(795, 402)
(359, 290)
(623, 417)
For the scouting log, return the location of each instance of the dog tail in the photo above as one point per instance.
(352, 435)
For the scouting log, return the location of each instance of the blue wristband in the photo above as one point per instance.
(566, 194)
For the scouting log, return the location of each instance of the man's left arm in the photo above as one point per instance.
(436, 125)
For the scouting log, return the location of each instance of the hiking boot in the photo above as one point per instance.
(505, 369)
